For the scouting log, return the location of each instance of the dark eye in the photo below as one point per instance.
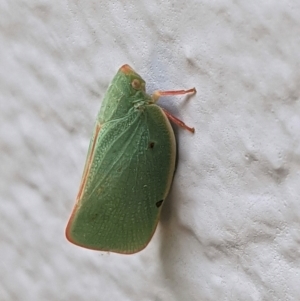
(136, 84)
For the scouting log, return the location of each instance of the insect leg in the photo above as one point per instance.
(157, 94)
(178, 121)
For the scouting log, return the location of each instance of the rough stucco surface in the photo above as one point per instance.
(230, 228)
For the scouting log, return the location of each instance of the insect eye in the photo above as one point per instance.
(136, 84)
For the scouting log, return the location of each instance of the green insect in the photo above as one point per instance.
(128, 170)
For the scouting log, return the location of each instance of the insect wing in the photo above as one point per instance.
(129, 175)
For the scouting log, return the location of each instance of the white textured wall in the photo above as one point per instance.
(230, 229)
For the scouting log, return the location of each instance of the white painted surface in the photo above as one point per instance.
(230, 229)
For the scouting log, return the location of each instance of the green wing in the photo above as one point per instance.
(127, 176)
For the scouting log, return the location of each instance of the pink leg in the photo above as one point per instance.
(178, 121)
(157, 94)
(174, 119)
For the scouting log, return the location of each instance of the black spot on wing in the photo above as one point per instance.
(159, 203)
(151, 144)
